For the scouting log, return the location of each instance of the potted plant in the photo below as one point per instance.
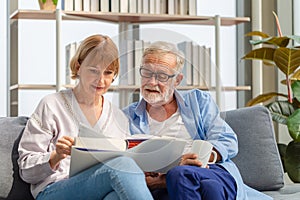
(275, 51)
(48, 4)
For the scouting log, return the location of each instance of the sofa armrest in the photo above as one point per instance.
(12, 186)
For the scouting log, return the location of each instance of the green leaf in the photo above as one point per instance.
(55, 2)
(264, 54)
(264, 97)
(258, 33)
(293, 123)
(282, 153)
(278, 41)
(296, 90)
(44, 1)
(287, 59)
(292, 161)
(280, 111)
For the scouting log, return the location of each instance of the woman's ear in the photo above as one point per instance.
(179, 78)
(77, 68)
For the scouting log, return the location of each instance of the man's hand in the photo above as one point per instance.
(155, 180)
(190, 159)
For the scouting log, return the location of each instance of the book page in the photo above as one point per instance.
(112, 144)
(152, 155)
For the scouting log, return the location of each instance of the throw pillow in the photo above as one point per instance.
(258, 158)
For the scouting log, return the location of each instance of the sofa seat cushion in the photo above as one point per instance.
(290, 192)
(258, 159)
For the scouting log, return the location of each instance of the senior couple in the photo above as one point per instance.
(45, 146)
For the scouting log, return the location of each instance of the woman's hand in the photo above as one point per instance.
(63, 149)
(155, 180)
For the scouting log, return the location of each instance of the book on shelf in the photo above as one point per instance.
(202, 65)
(95, 6)
(86, 5)
(171, 7)
(152, 7)
(133, 6)
(115, 6)
(139, 7)
(195, 64)
(183, 7)
(68, 5)
(186, 48)
(157, 7)
(192, 7)
(124, 6)
(207, 66)
(138, 53)
(104, 6)
(70, 51)
(127, 63)
(145, 7)
(163, 7)
(77, 5)
(152, 154)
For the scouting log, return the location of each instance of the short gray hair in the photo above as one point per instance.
(161, 47)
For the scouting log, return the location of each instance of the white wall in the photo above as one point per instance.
(3, 59)
(37, 51)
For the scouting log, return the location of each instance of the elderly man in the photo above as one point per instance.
(190, 115)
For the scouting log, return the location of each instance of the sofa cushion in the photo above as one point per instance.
(12, 186)
(288, 192)
(258, 159)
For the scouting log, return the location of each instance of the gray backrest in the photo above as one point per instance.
(258, 159)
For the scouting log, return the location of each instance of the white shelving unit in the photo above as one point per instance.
(125, 21)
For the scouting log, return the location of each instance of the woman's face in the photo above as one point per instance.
(95, 78)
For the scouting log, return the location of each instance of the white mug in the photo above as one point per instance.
(204, 149)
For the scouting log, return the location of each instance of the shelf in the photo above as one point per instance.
(32, 87)
(118, 18)
(129, 87)
(127, 17)
(225, 88)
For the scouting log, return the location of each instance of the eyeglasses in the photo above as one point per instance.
(160, 76)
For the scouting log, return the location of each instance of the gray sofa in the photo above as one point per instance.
(258, 158)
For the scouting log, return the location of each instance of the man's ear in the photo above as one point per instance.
(179, 78)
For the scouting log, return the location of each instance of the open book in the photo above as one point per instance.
(152, 154)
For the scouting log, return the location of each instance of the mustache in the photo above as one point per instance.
(155, 88)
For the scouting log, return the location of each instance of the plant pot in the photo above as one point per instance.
(48, 5)
(292, 161)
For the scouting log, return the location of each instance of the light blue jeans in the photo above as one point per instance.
(119, 178)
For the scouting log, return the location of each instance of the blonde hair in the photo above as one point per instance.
(99, 47)
(162, 48)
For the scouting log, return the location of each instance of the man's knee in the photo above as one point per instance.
(212, 189)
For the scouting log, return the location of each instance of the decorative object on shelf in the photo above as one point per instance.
(287, 112)
(48, 4)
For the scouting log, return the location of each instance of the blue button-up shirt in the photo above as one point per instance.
(202, 119)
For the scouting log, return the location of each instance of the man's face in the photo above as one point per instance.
(158, 76)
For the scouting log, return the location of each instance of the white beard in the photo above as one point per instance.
(158, 97)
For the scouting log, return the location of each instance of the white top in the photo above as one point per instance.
(172, 127)
(58, 115)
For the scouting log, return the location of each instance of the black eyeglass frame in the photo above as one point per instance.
(156, 74)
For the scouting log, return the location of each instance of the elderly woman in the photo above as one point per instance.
(45, 146)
